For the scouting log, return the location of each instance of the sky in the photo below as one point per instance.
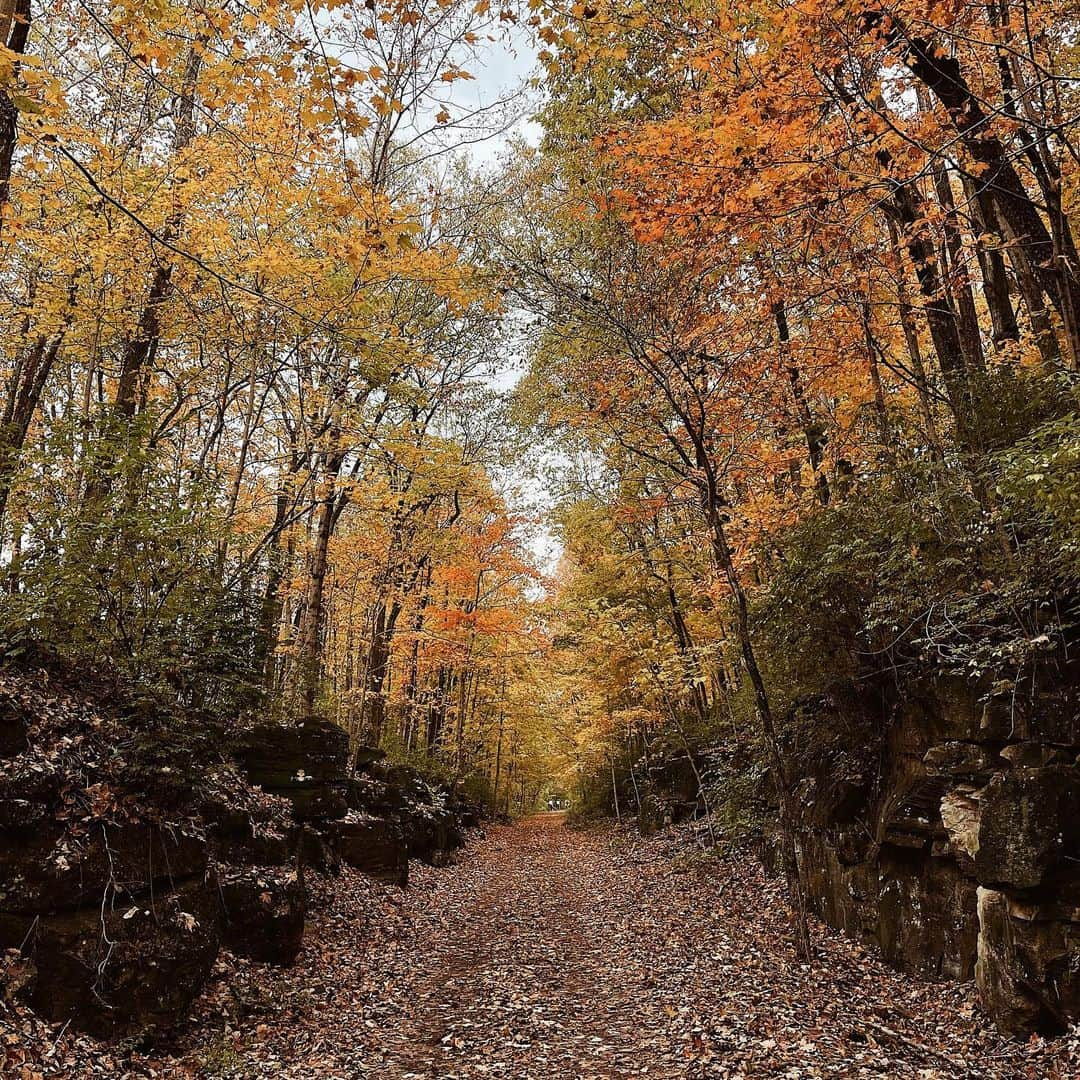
(501, 66)
(504, 66)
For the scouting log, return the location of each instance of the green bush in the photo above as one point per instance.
(133, 575)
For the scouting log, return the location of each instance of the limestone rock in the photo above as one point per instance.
(50, 870)
(433, 834)
(468, 814)
(401, 790)
(1030, 755)
(13, 730)
(133, 965)
(313, 850)
(1029, 827)
(914, 818)
(363, 757)
(969, 789)
(27, 801)
(281, 757)
(1028, 966)
(960, 815)
(237, 838)
(960, 759)
(307, 763)
(367, 794)
(262, 913)
(925, 915)
(318, 802)
(375, 846)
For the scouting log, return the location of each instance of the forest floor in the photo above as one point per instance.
(552, 953)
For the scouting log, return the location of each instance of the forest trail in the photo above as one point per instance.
(552, 953)
(539, 973)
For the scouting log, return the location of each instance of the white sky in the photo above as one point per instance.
(505, 66)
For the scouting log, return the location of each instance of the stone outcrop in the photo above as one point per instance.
(429, 824)
(374, 818)
(133, 845)
(106, 881)
(306, 763)
(120, 967)
(374, 845)
(50, 869)
(941, 822)
(262, 913)
(13, 727)
(1029, 827)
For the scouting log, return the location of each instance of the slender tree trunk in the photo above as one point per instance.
(683, 637)
(960, 283)
(386, 618)
(685, 642)
(905, 206)
(437, 711)
(20, 407)
(633, 776)
(881, 412)
(141, 347)
(15, 565)
(15, 18)
(241, 466)
(788, 821)
(413, 679)
(1042, 326)
(498, 760)
(813, 432)
(995, 278)
(310, 653)
(1051, 258)
(911, 339)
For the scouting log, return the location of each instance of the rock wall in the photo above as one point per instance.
(941, 822)
(135, 844)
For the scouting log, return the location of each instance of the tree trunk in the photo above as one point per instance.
(722, 558)
(1049, 258)
(881, 412)
(15, 16)
(141, 347)
(906, 207)
(911, 339)
(310, 654)
(412, 711)
(615, 791)
(960, 283)
(24, 394)
(386, 617)
(995, 278)
(813, 432)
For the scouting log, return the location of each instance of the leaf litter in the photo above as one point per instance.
(549, 952)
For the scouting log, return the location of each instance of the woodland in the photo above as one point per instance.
(705, 458)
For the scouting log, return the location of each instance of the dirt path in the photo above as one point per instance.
(535, 971)
(547, 953)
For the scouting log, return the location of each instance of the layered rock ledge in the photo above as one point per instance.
(136, 842)
(943, 825)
